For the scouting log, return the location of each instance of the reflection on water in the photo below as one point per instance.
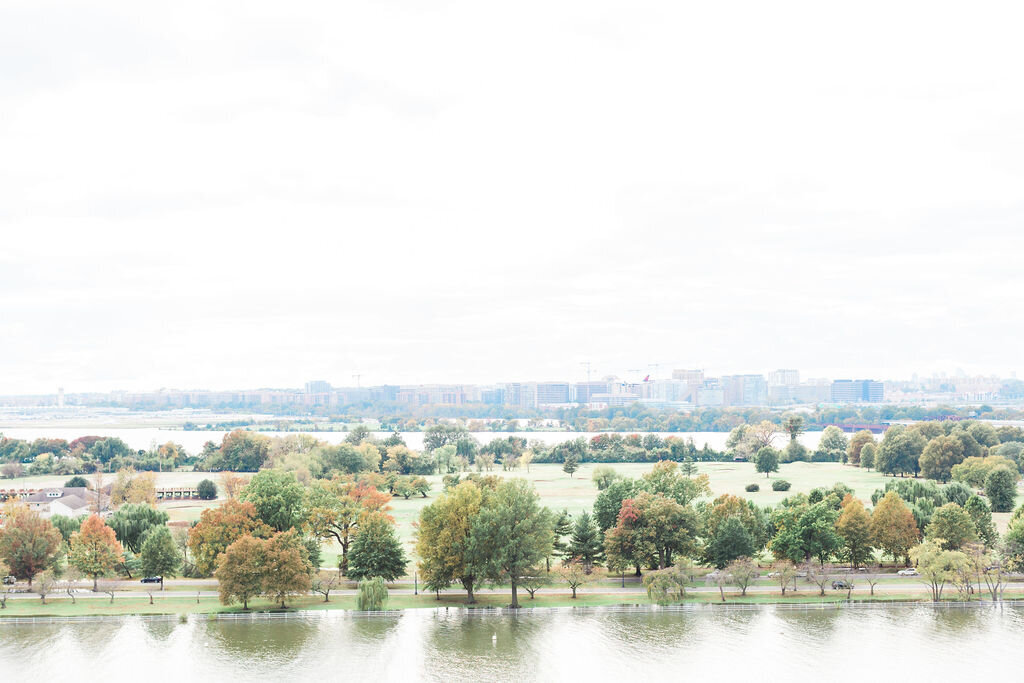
(905, 642)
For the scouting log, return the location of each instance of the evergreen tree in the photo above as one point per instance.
(559, 548)
(586, 545)
(160, 556)
(571, 463)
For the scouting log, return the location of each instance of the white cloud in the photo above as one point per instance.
(248, 194)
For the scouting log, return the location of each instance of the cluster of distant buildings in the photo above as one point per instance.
(684, 389)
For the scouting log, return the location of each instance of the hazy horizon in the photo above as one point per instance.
(455, 192)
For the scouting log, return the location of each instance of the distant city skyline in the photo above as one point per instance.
(774, 378)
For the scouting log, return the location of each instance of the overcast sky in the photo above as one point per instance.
(234, 195)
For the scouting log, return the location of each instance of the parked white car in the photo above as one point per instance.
(909, 571)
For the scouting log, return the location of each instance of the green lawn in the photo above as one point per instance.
(576, 494)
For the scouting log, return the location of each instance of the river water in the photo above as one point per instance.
(145, 437)
(912, 642)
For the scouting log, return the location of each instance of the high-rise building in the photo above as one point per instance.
(744, 390)
(553, 393)
(784, 378)
(583, 391)
(857, 391)
(317, 387)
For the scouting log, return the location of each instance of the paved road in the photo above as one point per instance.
(634, 589)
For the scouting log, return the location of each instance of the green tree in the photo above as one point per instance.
(334, 509)
(832, 446)
(240, 571)
(666, 478)
(661, 528)
(867, 455)
(804, 531)
(376, 550)
(76, 482)
(1001, 489)
(29, 544)
(95, 549)
(900, 451)
(796, 452)
(586, 544)
(609, 501)
(160, 555)
(241, 451)
(571, 463)
(981, 515)
(767, 460)
(856, 445)
(511, 534)
(278, 499)
(373, 595)
(951, 527)
(854, 528)
(67, 526)
(939, 457)
(603, 477)
(442, 539)
(666, 586)
(561, 528)
(730, 541)
(937, 566)
(132, 521)
(206, 489)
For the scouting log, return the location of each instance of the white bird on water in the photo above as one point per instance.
(494, 639)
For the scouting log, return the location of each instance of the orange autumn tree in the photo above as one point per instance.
(95, 549)
(218, 528)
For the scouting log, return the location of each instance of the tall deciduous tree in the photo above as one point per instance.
(376, 550)
(511, 534)
(854, 527)
(442, 540)
(893, 528)
(335, 508)
(240, 571)
(278, 498)
(856, 445)
(939, 457)
(287, 570)
(95, 549)
(767, 461)
(729, 540)
(218, 528)
(29, 544)
(951, 527)
(1001, 489)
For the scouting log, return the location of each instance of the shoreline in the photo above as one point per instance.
(323, 610)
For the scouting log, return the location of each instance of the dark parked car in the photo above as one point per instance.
(151, 579)
(9, 580)
(840, 584)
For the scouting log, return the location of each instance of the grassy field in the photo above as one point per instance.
(576, 494)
